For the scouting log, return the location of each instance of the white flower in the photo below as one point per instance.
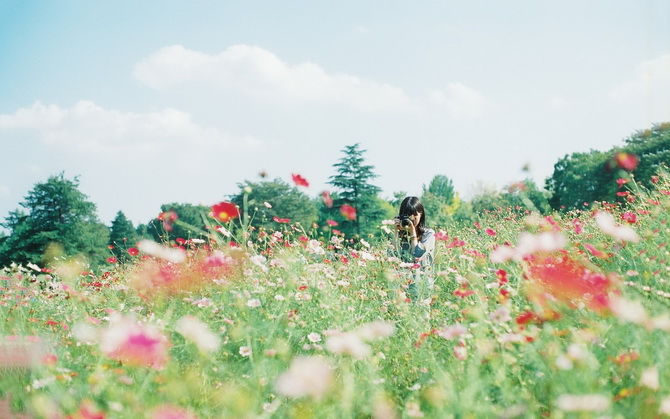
(267, 204)
(314, 337)
(245, 351)
(501, 315)
(629, 311)
(583, 403)
(348, 344)
(314, 247)
(375, 330)
(664, 408)
(253, 303)
(650, 378)
(259, 260)
(197, 332)
(451, 332)
(605, 221)
(168, 253)
(307, 376)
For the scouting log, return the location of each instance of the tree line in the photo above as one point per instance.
(57, 219)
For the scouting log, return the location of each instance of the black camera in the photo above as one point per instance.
(405, 220)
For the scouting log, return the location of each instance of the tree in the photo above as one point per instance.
(583, 178)
(353, 188)
(122, 236)
(57, 212)
(440, 201)
(270, 200)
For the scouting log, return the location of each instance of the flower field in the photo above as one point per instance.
(558, 316)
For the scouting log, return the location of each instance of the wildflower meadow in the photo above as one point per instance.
(562, 315)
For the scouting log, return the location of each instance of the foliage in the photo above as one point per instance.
(352, 182)
(269, 201)
(584, 178)
(57, 212)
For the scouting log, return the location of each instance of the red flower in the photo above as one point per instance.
(327, 199)
(111, 260)
(299, 180)
(133, 251)
(168, 218)
(626, 161)
(622, 181)
(348, 212)
(629, 217)
(281, 220)
(525, 317)
(332, 223)
(225, 211)
(561, 278)
(490, 232)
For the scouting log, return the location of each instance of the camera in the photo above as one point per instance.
(405, 220)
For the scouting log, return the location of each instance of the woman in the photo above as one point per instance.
(416, 245)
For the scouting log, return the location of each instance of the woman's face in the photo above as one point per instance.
(417, 219)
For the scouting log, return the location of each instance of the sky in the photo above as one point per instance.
(152, 102)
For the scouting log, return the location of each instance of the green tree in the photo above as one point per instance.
(440, 200)
(122, 236)
(352, 182)
(57, 212)
(268, 200)
(588, 177)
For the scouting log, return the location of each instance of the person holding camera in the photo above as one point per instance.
(416, 245)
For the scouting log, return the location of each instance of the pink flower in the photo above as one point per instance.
(626, 161)
(348, 212)
(490, 232)
(327, 199)
(629, 217)
(299, 180)
(171, 412)
(134, 343)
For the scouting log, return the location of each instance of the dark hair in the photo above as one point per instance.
(412, 205)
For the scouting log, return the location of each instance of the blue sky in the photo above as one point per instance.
(169, 101)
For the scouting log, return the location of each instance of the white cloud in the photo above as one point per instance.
(261, 73)
(652, 78)
(461, 101)
(88, 127)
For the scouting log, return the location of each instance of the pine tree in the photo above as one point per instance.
(122, 236)
(352, 182)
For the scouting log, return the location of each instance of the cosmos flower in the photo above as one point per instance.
(198, 332)
(325, 195)
(307, 376)
(560, 277)
(348, 212)
(605, 221)
(299, 180)
(626, 161)
(134, 343)
(225, 211)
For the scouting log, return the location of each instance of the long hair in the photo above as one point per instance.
(412, 205)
